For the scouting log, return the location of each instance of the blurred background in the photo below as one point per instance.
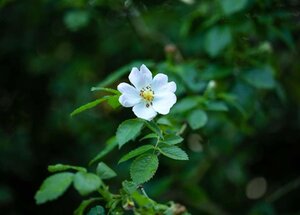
(242, 54)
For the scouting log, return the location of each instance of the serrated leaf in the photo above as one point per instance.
(97, 210)
(143, 168)
(104, 171)
(64, 167)
(261, 78)
(155, 128)
(110, 145)
(86, 183)
(174, 152)
(84, 204)
(172, 139)
(197, 119)
(53, 187)
(128, 130)
(88, 106)
(105, 89)
(149, 136)
(136, 152)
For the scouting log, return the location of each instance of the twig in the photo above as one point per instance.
(284, 190)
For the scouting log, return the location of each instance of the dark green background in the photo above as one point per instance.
(53, 52)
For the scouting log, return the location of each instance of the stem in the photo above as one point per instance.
(143, 191)
(285, 189)
(156, 144)
(182, 129)
(106, 194)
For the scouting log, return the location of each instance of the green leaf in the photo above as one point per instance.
(112, 205)
(53, 187)
(84, 204)
(172, 139)
(189, 74)
(129, 186)
(216, 106)
(104, 171)
(261, 78)
(97, 210)
(128, 130)
(105, 89)
(116, 75)
(149, 136)
(233, 6)
(174, 152)
(185, 104)
(232, 100)
(164, 121)
(88, 106)
(217, 39)
(197, 119)
(143, 201)
(74, 20)
(113, 101)
(143, 168)
(110, 145)
(155, 128)
(86, 183)
(213, 72)
(63, 167)
(136, 152)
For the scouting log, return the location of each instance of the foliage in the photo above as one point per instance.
(236, 119)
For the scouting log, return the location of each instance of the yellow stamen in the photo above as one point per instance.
(148, 95)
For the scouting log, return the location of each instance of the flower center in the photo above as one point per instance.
(147, 94)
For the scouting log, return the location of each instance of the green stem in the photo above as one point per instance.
(156, 144)
(292, 185)
(182, 129)
(106, 194)
(143, 191)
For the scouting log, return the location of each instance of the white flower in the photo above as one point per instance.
(147, 96)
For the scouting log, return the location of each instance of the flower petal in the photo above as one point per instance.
(159, 81)
(144, 69)
(128, 100)
(140, 78)
(171, 86)
(130, 96)
(162, 103)
(127, 89)
(143, 112)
